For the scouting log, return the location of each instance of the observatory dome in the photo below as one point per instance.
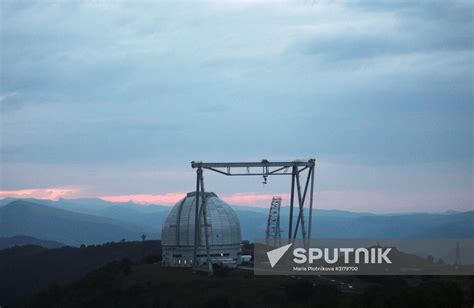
(223, 233)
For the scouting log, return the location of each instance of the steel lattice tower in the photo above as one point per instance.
(273, 236)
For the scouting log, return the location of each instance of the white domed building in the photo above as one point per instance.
(223, 229)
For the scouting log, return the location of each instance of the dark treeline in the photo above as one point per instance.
(122, 284)
(129, 274)
(26, 270)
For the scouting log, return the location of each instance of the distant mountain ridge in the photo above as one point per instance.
(90, 205)
(114, 221)
(22, 240)
(148, 216)
(95, 206)
(48, 223)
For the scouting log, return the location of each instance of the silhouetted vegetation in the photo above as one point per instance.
(221, 270)
(150, 259)
(29, 269)
(436, 292)
(116, 275)
(143, 285)
(299, 291)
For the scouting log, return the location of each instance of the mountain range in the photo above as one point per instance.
(95, 221)
(44, 222)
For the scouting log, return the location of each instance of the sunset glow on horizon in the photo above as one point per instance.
(356, 201)
(39, 193)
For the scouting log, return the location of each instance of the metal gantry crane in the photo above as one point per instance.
(296, 169)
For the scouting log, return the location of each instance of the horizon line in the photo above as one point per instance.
(238, 205)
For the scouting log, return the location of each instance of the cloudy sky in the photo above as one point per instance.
(114, 99)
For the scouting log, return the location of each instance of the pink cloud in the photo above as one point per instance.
(253, 199)
(170, 198)
(39, 193)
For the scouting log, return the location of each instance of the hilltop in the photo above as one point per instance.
(21, 240)
(26, 270)
(48, 223)
(121, 284)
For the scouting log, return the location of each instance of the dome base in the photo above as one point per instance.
(182, 256)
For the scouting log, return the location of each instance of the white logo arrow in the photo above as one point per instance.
(275, 255)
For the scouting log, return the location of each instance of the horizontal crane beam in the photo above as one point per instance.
(263, 163)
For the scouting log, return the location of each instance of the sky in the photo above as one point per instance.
(114, 99)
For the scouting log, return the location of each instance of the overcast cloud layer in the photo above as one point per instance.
(116, 98)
